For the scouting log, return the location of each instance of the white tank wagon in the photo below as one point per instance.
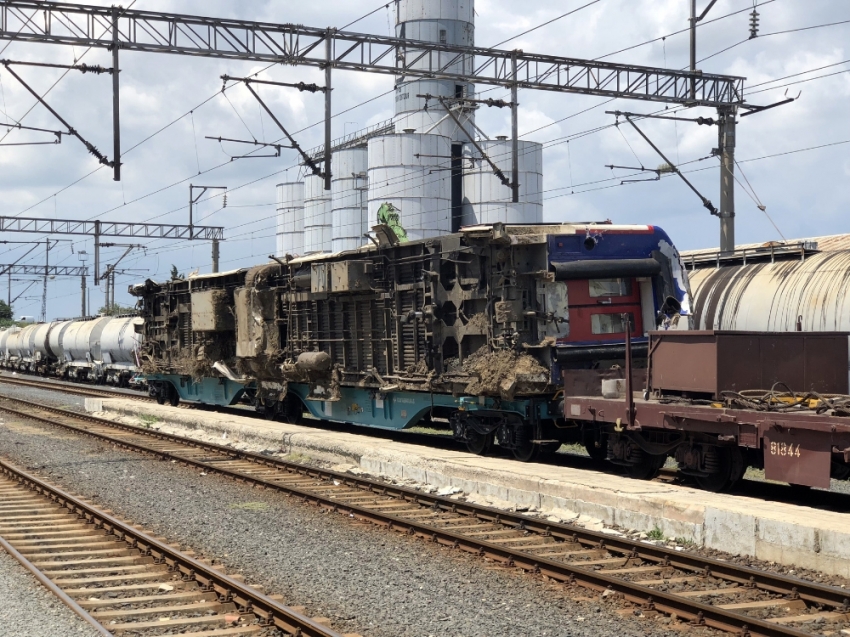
(17, 348)
(55, 339)
(5, 337)
(811, 295)
(78, 358)
(118, 348)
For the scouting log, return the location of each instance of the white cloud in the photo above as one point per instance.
(802, 191)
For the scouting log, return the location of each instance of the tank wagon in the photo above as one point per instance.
(475, 328)
(101, 350)
(781, 296)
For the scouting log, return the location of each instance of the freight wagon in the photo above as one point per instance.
(102, 350)
(475, 328)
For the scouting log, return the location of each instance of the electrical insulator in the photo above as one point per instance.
(754, 24)
(224, 203)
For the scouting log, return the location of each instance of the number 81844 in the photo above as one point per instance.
(784, 449)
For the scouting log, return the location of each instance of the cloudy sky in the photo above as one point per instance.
(805, 192)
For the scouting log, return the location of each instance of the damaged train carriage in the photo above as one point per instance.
(476, 328)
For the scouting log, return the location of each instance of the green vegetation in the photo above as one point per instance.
(681, 541)
(148, 419)
(116, 309)
(175, 275)
(5, 311)
(656, 534)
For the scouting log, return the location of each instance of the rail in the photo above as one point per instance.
(100, 564)
(639, 573)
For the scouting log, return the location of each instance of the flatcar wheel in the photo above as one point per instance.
(160, 399)
(479, 444)
(839, 471)
(647, 468)
(723, 478)
(173, 397)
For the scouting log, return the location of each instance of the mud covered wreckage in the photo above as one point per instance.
(476, 328)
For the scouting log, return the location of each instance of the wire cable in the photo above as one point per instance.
(547, 23)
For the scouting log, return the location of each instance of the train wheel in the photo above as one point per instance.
(479, 444)
(597, 449)
(173, 397)
(647, 468)
(527, 451)
(160, 399)
(292, 410)
(839, 471)
(730, 469)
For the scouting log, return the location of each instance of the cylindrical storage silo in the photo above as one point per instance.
(290, 219)
(318, 216)
(413, 173)
(450, 22)
(349, 190)
(486, 199)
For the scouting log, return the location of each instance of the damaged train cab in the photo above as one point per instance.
(477, 330)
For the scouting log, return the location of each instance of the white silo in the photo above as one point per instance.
(486, 199)
(412, 172)
(351, 220)
(290, 219)
(449, 22)
(318, 216)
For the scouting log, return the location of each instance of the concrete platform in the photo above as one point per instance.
(771, 531)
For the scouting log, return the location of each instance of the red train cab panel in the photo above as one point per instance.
(596, 309)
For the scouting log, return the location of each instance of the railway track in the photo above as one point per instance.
(648, 579)
(72, 388)
(124, 582)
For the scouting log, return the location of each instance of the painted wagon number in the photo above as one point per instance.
(784, 449)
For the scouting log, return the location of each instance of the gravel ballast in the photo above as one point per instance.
(364, 579)
(27, 609)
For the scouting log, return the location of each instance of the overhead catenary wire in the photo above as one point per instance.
(547, 23)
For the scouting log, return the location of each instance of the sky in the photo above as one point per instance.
(794, 160)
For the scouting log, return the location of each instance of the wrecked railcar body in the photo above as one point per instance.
(475, 328)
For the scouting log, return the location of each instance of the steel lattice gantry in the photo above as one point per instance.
(41, 270)
(111, 229)
(159, 32)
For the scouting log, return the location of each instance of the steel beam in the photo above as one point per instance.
(40, 270)
(160, 32)
(110, 229)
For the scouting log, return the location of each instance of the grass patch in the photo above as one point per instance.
(681, 541)
(656, 534)
(300, 458)
(147, 420)
(250, 506)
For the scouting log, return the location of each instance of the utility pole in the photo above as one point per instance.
(215, 256)
(726, 134)
(83, 257)
(192, 201)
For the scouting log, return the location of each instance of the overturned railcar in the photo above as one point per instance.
(476, 328)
